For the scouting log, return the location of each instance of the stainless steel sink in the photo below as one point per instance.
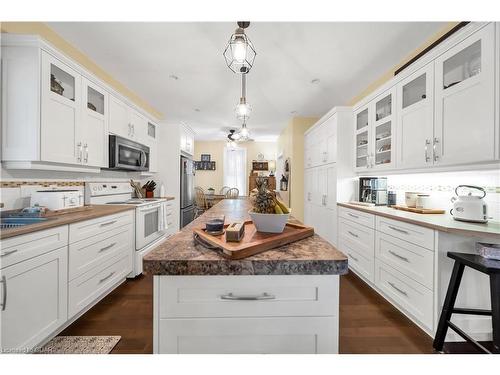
(14, 222)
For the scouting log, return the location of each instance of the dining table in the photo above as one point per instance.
(213, 199)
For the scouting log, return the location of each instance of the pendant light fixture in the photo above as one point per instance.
(243, 109)
(240, 52)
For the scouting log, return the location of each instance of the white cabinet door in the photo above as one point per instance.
(35, 293)
(139, 126)
(465, 101)
(331, 139)
(363, 147)
(60, 112)
(322, 187)
(382, 132)
(331, 187)
(94, 129)
(321, 144)
(119, 122)
(415, 124)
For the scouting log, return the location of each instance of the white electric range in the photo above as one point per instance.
(150, 215)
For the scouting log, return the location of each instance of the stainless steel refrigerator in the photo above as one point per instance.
(187, 191)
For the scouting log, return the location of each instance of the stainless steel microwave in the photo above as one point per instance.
(125, 154)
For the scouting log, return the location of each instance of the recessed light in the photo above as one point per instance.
(293, 112)
(174, 77)
(197, 110)
(315, 81)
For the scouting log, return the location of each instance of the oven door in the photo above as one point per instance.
(147, 226)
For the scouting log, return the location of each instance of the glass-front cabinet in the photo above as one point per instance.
(362, 156)
(415, 119)
(464, 129)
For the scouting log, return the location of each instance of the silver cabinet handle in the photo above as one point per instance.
(133, 130)
(8, 253)
(4, 298)
(398, 230)
(427, 143)
(129, 128)
(233, 297)
(107, 277)
(326, 199)
(396, 288)
(107, 247)
(352, 215)
(79, 145)
(352, 234)
(399, 256)
(308, 197)
(86, 147)
(434, 151)
(353, 257)
(108, 223)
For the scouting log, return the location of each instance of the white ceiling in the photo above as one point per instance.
(346, 57)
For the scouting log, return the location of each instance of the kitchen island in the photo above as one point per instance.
(284, 300)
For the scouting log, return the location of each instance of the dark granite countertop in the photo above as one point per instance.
(180, 255)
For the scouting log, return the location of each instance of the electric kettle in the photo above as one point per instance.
(469, 207)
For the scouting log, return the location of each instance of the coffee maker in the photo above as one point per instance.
(373, 190)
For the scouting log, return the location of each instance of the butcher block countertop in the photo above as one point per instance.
(180, 255)
(90, 212)
(441, 222)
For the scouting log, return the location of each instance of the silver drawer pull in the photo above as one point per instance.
(399, 256)
(108, 223)
(8, 253)
(398, 230)
(352, 215)
(396, 288)
(352, 234)
(107, 277)
(107, 247)
(233, 297)
(355, 259)
(4, 298)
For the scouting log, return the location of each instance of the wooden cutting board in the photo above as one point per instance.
(253, 242)
(419, 210)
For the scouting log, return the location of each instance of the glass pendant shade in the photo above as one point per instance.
(243, 110)
(239, 53)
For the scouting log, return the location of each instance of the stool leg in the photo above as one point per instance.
(449, 304)
(495, 310)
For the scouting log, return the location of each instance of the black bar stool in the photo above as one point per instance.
(492, 269)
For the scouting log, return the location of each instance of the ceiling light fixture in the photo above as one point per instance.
(240, 52)
(174, 77)
(315, 81)
(243, 109)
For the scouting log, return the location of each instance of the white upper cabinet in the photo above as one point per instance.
(465, 101)
(139, 125)
(382, 134)
(320, 144)
(119, 121)
(94, 129)
(187, 140)
(415, 119)
(60, 112)
(152, 143)
(363, 147)
(331, 139)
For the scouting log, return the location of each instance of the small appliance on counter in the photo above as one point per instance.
(373, 190)
(57, 199)
(469, 207)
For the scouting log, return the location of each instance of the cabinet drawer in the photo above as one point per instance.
(289, 335)
(359, 217)
(414, 261)
(90, 228)
(405, 293)
(19, 248)
(360, 237)
(358, 261)
(415, 234)
(89, 286)
(236, 296)
(89, 253)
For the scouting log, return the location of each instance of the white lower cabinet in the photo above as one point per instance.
(246, 314)
(288, 335)
(34, 296)
(395, 258)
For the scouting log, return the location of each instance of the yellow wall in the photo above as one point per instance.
(291, 144)
(215, 179)
(41, 29)
(390, 73)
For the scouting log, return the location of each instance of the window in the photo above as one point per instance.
(235, 162)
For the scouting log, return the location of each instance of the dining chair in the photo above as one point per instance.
(224, 190)
(232, 193)
(200, 202)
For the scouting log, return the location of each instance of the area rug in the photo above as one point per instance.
(80, 345)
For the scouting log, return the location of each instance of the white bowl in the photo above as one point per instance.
(270, 223)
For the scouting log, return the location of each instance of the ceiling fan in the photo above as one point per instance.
(235, 136)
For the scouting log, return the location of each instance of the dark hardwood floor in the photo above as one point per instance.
(368, 323)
